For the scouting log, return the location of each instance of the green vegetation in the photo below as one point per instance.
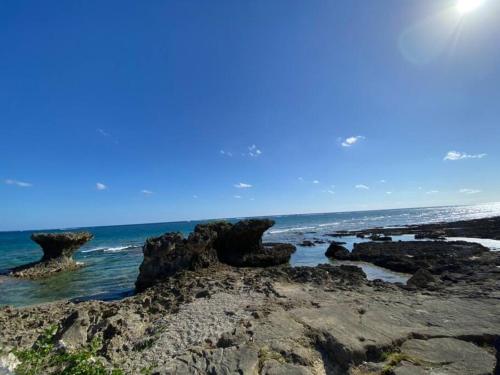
(393, 359)
(44, 357)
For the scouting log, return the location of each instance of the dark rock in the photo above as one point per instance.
(307, 243)
(378, 237)
(237, 245)
(432, 235)
(166, 255)
(421, 279)
(410, 256)
(337, 251)
(58, 249)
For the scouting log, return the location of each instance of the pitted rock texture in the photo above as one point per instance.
(237, 244)
(56, 245)
(58, 249)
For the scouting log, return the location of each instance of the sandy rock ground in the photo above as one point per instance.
(307, 320)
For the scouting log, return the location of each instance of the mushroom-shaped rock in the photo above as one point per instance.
(241, 245)
(58, 249)
(56, 245)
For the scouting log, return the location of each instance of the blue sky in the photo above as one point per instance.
(125, 111)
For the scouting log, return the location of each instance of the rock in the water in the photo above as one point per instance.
(237, 245)
(421, 279)
(378, 237)
(337, 251)
(58, 249)
(410, 256)
(56, 245)
(307, 243)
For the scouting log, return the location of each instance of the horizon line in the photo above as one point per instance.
(242, 217)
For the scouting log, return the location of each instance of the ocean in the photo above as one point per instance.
(113, 257)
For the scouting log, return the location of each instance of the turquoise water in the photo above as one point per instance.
(112, 258)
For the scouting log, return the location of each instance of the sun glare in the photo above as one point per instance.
(466, 6)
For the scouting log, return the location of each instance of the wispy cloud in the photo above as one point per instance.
(315, 182)
(18, 183)
(195, 196)
(226, 153)
(103, 132)
(350, 141)
(382, 181)
(300, 179)
(361, 186)
(329, 191)
(432, 192)
(100, 186)
(242, 185)
(455, 155)
(254, 151)
(146, 192)
(237, 196)
(469, 191)
(388, 192)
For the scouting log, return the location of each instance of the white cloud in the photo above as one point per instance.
(147, 192)
(18, 183)
(254, 151)
(100, 186)
(469, 191)
(329, 191)
(226, 153)
(388, 192)
(315, 182)
(103, 132)
(242, 185)
(237, 196)
(455, 155)
(348, 142)
(382, 181)
(361, 186)
(432, 192)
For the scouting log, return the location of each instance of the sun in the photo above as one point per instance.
(467, 6)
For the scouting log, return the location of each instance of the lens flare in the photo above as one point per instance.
(466, 6)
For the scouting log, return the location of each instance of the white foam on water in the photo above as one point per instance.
(289, 230)
(94, 249)
(119, 248)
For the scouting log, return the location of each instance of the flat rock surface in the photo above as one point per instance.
(282, 320)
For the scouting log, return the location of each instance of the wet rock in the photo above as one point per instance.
(378, 237)
(431, 235)
(410, 256)
(337, 251)
(421, 279)
(58, 249)
(307, 243)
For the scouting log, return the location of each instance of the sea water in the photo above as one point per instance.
(113, 257)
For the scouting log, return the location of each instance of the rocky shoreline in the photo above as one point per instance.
(208, 306)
